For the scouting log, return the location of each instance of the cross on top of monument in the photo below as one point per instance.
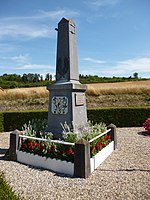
(66, 60)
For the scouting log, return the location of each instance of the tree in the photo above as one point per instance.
(135, 75)
(24, 78)
(48, 77)
(41, 78)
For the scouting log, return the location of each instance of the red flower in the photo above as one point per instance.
(69, 152)
(106, 137)
(30, 145)
(98, 145)
(41, 147)
(24, 146)
(52, 149)
(62, 152)
(36, 144)
(147, 125)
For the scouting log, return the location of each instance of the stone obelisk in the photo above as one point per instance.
(67, 101)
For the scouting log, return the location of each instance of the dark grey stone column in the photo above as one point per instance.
(113, 134)
(66, 61)
(82, 159)
(14, 141)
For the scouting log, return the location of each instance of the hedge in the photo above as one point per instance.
(121, 117)
(1, 122)
(15, 120)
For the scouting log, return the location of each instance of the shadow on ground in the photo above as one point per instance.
(144, 133)
(3, 154)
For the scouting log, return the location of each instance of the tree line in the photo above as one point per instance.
(85, 79)
(25, 80)
(35, 80)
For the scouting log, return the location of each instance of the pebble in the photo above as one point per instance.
(124, 175)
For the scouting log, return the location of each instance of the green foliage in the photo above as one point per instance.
(6, 192)
(35, 80)
(15, 120)
(1, 122)
(26, 80)
(121, 117)
(88, 132)
(98, 144)
(36, 128)
(85, 79)
(48, 149)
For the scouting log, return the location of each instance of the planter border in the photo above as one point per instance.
(46, 163)
(83, 165)
(96, 160)
(63, 166)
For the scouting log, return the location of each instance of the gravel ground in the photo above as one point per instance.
(124, 175)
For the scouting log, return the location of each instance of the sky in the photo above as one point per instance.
(113, 36)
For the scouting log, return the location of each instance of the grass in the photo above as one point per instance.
(131, 87)
(23, 93)
(120, 94)
(6, 192)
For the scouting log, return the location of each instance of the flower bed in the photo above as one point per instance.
(58, 156)
(46, 163)
(66, 156)
(98, 144)
(96, 160)
(48, 148)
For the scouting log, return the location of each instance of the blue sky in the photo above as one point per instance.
(113, 36)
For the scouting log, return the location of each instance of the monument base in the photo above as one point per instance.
(67, 103)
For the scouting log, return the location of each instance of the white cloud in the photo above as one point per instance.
(135, 64)
(120, 68)
(35, 67)
(5, 48)
(101, 3)
(95, 4)
(58, 14)
(19, 29)
(33, 26)
(94, 60)
(20, 59)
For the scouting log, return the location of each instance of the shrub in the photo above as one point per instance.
(15, 120)
(147, 125)
(1, 122)
(6, 192)
(121, 117)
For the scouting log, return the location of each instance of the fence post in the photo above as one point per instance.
(82, 167)
(14, 140)
(113, 134)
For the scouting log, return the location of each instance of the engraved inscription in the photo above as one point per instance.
(59, 105)
(79, 99)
